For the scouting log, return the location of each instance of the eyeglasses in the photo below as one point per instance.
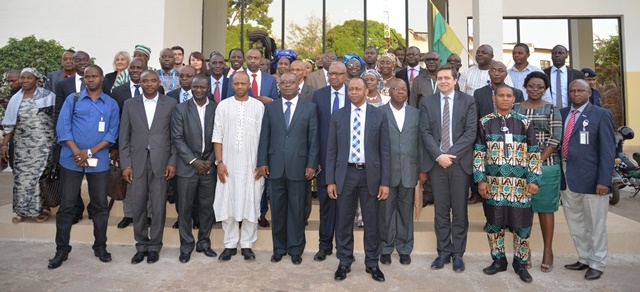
(335, 74)
(494, 70)
(535, 87)
(287, 83)
(399, 89)
(577, 91)
(431, 60)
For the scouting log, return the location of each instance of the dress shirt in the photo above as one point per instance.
(363, 115)
(81, 126)
(518, 77)
(78, 83)
(231, 72)
(580, 111)
(399, 115)
(415, 73)
(341, 96)
(442, 95)
(292, 108)
(475, 78)
(132, 87)
(150, 107)
(213, 85)
(201, 112)
(182, 94)
(258, 80)
(169, 80)
(300, 87)
(563, 88)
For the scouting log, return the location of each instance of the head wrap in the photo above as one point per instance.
(352, 56)
(376, 74)
(287, 54)
(389, 55)
(32, 71)
(143, 49)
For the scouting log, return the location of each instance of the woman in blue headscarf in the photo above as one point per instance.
(354, 66)
(282, 62)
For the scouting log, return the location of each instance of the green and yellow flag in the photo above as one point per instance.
(445, 40)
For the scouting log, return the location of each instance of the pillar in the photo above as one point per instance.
(487, 25)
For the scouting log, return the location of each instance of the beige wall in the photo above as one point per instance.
(182, 26)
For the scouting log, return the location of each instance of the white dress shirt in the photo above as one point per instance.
(399, 115)
(292, 108)
(231, 72)
(132, 88)
(341, 96)
(363, 118)
(563, 88)
(415, 73)
(213, 85)
(150, 107)
(201, 112)
(78, 82)
(450, 115)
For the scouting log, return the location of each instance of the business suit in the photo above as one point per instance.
(122, 93)
(328, 208)
(175, 94)
(226, 75)
(306, 92)
(572, 74)
(186, 134)
(53, 78)
(317, 79)
(268, 86)
(586, 166)
(404, 75)
(396, 212)
(423, 86)
(484, 100)
(450, 185)
(288, 152)
(222, 87)
(148, 152)
(352, 184)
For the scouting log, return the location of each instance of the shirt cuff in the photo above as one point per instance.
(192, 160)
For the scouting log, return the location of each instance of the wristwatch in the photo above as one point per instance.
(89, 154)
(216, 162)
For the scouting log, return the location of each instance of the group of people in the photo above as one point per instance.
(225, 137)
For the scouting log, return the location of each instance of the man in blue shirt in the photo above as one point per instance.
(86, 128)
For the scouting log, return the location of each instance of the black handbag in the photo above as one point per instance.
(50, 185)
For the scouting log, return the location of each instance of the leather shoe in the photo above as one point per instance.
(524, 274)
(57, 260)
(103, 255)
(296, 259)
(263, 222)
(139, 257)
(276, 258)
(474, 200)
(439, 262)
(405, 259)
(593, 274)
(227, 253)
(458, 264)
(196, 225)
(341, 272)
(184, 257)
(153, 257)
(125, 222)
(176, 225)
(385, 259)
(578, 266)
(207, 251)
(321, 255)
(248, 254)
(495, 267)
(149, 221)
(376, 274)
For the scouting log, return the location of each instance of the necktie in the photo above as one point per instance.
(185, 96)
(558, 89)
(137, 90)
(445, 142)
(412, 77)
(287, 114)
(254, 85)
(216, 93)
(336, 102)
(567, 133)
(355, 137)
(82, 86)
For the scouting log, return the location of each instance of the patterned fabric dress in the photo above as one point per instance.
(508, 168)
(33, 137)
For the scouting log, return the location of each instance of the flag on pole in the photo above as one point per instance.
(445, 40)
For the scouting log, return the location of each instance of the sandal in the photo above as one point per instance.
(17, 219)
(44, 216)
(546, 268)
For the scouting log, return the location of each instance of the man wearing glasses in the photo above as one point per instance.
(413, 69)
(425, 84)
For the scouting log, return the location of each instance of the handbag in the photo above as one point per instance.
(117, 185)
(50, 185)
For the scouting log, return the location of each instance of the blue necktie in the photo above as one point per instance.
(185, 96)
(137, 90)
(287, 114)
(355, 138)
(336, 102)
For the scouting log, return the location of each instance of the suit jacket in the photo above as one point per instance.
(464, 125)
(402, 74)
(110, 78)
(322, 98)
(288, 152)
(175, 94)
(421, 88)
(224, 87)
(306, 93)
(377, 155)
(225, 72)
(317, 79)
(186, 135)
(406, 147)
(53, 78)
(268, 86)
(484, 100)
(67, 86)
(588, 165)
(137, 139)
(122, 93)
(572, 74)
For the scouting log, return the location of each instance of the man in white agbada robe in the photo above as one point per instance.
(236, 135)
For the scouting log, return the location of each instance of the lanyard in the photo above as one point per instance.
(100, 110)
(433, 84)
(173, 79)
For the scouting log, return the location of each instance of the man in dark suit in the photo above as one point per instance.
(358, 170)
(560, 82)
(484, 96)
(67, 71)
(236, 59)
(320, 77)
(396, 213)
(192, 127)
(219, 83)
(413, 69)
(588, 149)
(263, 86)
(185, 78)
(148, 161)
(448, 124)
(288, 157)
(328, 100)
(425, 84)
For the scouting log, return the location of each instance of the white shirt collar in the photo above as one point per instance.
(393, 108)
(562, 69)
(363, 107)
(205, 103)
(155, 99)
(293, 101)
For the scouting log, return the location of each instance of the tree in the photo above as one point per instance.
(607, 60)
(349, 37)
(255, 10)
(306, 40)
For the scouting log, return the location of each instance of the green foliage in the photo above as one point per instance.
(306, 40)
(607, 60)
(349, 37)
(255, 11)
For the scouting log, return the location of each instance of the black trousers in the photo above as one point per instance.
(328, 215)
(200, 190)
(288, 202)
(98, 189)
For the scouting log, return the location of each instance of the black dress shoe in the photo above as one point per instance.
(171, 199)
(376, 274)
(184, 257)
(296, 259)
(57, 260)
(276, 258)
(149, 221)
(227, 253)
(578, 266)
(196, 225)
(524, 274)
(138, 257)
(405, 259)
(321, 255)
(207, 251)
(458, 264)
(341, 272)
(103, 255)
(176, 225)
(153, 257)
(474, 200)
(385, 259)
(439, 262)
(593, 274)
(248, 254)
(263, 222)
(495, 267)
(125, 222)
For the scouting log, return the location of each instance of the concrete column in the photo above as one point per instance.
(487, 25)
(214, 26)
(581, 43)
(177, 31)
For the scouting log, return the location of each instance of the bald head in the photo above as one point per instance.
(484, 56)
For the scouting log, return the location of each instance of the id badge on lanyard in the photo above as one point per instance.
(584, 134)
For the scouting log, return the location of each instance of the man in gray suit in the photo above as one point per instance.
(320, 78)
(66, 71)
(288, 157)
(192, 126)
(448, 126)
(425, 84)
(396, 212)
(148, 161)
